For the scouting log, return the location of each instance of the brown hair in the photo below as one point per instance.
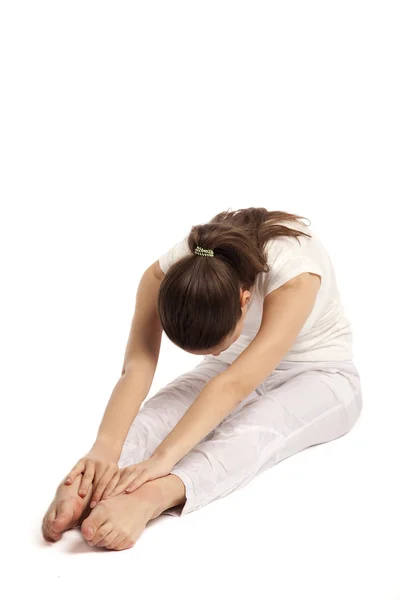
(199, 297)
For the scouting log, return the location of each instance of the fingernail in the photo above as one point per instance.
(90, 531)
(92, 504)
(68, 480)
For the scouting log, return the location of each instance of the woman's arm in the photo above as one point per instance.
(285, 312)
(140, 362)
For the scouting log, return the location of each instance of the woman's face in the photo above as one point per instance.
(244, 300)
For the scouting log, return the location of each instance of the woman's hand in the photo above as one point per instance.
(132, 477)
(100, 466)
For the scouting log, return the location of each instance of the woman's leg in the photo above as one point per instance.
(117, 522)
(299, 406)
(307, 404)
(160, 413)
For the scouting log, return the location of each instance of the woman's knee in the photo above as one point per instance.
(135, 447)
(159, 414)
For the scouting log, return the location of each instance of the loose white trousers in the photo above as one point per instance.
(300, 404)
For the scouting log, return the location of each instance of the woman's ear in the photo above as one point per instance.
(245, 298)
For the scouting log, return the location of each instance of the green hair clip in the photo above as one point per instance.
(203, 252)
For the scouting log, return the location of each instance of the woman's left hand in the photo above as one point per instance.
(132, 477)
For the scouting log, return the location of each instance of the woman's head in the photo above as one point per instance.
(203, 300)
(245, 297)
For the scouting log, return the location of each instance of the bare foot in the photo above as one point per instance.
(117, 523)
(66, 511)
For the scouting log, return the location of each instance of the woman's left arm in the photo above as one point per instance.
(285, 311)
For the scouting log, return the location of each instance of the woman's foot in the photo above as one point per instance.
(117, 523)
(66, 511)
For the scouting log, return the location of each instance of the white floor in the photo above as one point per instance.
(123, 124)
(321, 524)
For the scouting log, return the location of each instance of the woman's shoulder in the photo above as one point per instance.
(288, 256)
(174, 253)
(287, 244)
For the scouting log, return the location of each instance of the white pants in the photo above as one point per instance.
(299, 405)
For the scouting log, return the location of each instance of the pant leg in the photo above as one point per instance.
(160, 413)
(299, 406)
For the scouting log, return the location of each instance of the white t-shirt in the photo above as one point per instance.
(327, 334)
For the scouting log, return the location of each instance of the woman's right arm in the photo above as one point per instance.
(140, 362)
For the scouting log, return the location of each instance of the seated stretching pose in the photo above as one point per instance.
(255, 292)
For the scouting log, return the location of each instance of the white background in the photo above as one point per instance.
(122, 125)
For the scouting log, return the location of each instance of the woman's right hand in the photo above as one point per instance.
(99, 466)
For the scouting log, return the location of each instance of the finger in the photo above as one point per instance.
(87, 480)
(95, 495)
(139, 480)
(98, 475)
(133, 480)
(78, 468)
(125, 479)
(100, 470)
(111, 486)
(104, 480)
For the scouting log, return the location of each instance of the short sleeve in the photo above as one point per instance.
(288, 257)
(177, 251)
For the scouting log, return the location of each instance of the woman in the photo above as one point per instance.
(254, 292)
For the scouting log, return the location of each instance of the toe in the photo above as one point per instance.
(48, 517)
(51, 514)
(48, 534)
(91, 524)
(116, 541)
(108, 539)
(63, 518)
(124, 544)
(100, 534)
